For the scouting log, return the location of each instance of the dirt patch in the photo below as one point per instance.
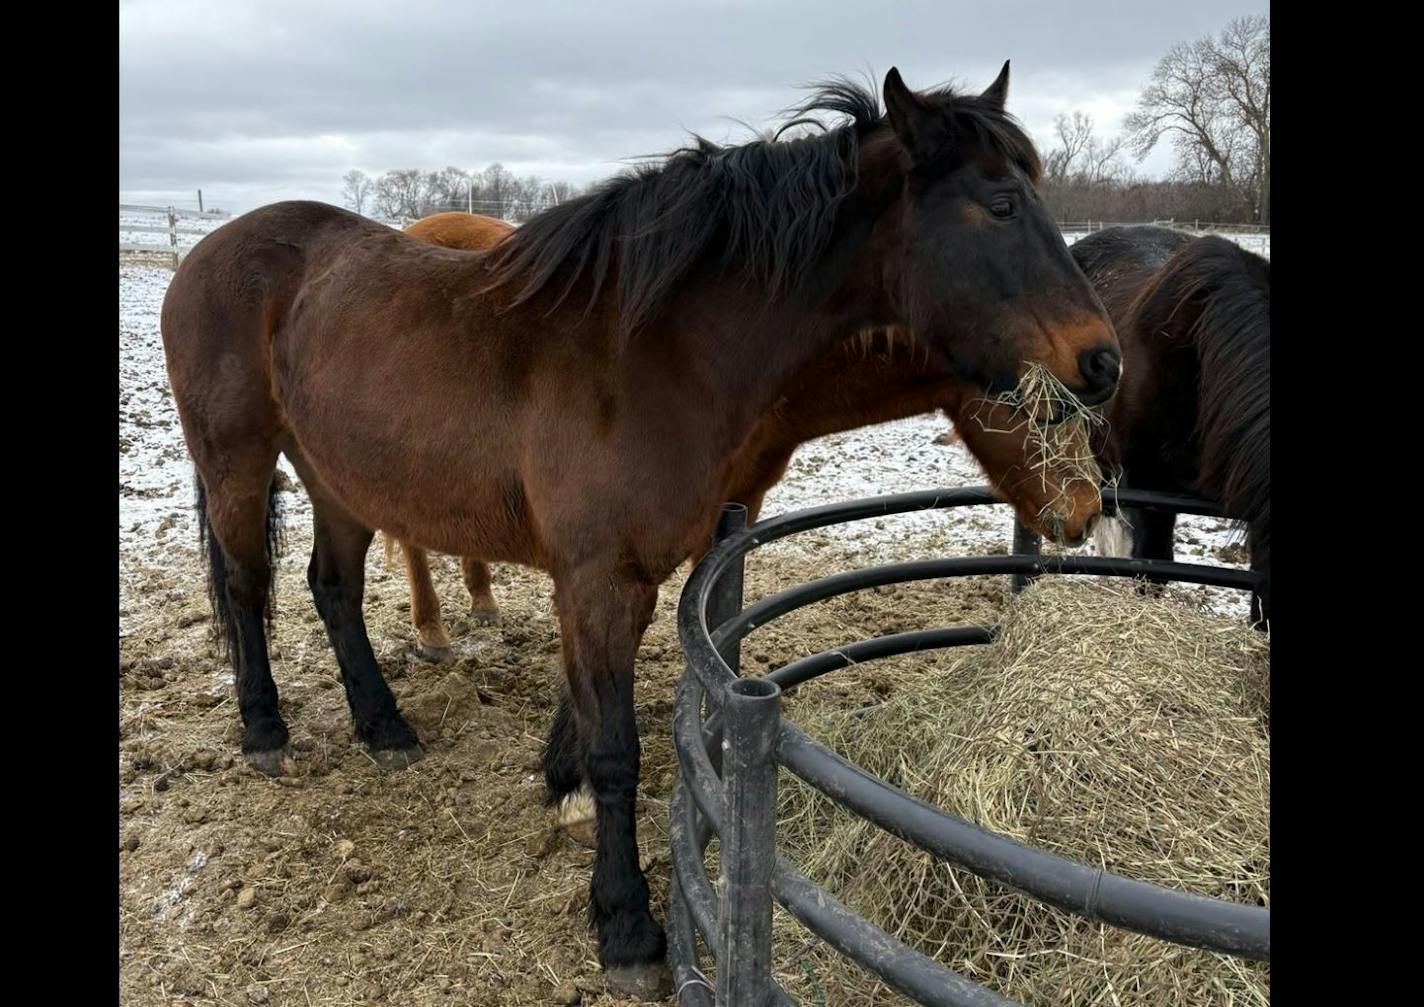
(442, 883)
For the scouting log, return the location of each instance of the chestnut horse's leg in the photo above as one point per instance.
(483, 607)
(337, 576)
(432, 641)
(237, 512)
(602, 614)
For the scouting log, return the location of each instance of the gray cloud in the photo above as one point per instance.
(255, 101)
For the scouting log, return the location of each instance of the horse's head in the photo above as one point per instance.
(1048, 474)
(971, 261)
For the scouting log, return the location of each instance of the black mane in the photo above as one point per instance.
(768, 207)
(1224, 292)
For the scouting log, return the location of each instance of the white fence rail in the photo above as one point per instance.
(175, 249)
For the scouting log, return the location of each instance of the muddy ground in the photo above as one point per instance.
(444, 882)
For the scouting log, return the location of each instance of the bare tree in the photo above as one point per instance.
(355, 190)
(1212, 98)
(1080, 156)
(448, 189)
(400, 195)
(560, 192)
(1074, 135)
(1243, 66)
(499, 189)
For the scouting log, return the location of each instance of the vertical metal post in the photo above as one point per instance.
(1026, 543)
(173, 235)
(726, 599)
(751, 710)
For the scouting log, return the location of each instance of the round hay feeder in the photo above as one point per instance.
(729, 755)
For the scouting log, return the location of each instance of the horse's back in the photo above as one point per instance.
(252, 260)
(468, 231)
(1141, 246)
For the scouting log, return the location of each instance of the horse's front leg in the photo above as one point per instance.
(603, 614)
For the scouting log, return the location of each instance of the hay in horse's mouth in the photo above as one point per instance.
(1057, 425)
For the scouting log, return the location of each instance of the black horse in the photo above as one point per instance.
(1193, 411)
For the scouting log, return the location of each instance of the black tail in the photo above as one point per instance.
(224, 627)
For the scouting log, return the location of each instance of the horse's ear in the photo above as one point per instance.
(998, 92)
(920, 128)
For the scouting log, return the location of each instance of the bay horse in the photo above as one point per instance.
(571, 399)
(1193, 414)
(872, 379)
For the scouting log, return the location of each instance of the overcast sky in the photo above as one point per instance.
(255, 101)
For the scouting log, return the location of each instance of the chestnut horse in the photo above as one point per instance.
(1194, 411)
(864, 381)
(572, 399)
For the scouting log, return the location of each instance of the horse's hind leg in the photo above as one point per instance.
(602, 615)
(337, 577)
(238, 520)
(432, 641)
(483, 607)
(566, 788)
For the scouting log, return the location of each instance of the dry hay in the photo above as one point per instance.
(1056, 426)
(1104, 726)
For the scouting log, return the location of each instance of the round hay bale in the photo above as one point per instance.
(1102, 725)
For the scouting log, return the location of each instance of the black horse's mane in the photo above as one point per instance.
(767, 207)
(1221, 294)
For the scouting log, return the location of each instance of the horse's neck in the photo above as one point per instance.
(761, 349)
(752, 365)
(854, 387)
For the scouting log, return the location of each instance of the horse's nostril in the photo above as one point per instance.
(1101, 366)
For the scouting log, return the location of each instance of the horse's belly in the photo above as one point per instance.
(439, 488)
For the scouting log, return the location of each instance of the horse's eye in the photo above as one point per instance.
(1002, 207)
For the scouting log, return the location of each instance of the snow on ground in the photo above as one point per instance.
(129, 219)
(157, 528)
(1258, 243)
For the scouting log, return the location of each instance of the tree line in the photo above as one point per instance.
(409, 194)
(1210, 99)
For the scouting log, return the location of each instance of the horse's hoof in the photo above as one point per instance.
(484, 616)
(436, 653)
(391, 759)
(276, 762)
(651, 982)
(583, 833)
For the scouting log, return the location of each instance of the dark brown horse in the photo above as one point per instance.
(878, 377)
(572, 399)
(1194, 411)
